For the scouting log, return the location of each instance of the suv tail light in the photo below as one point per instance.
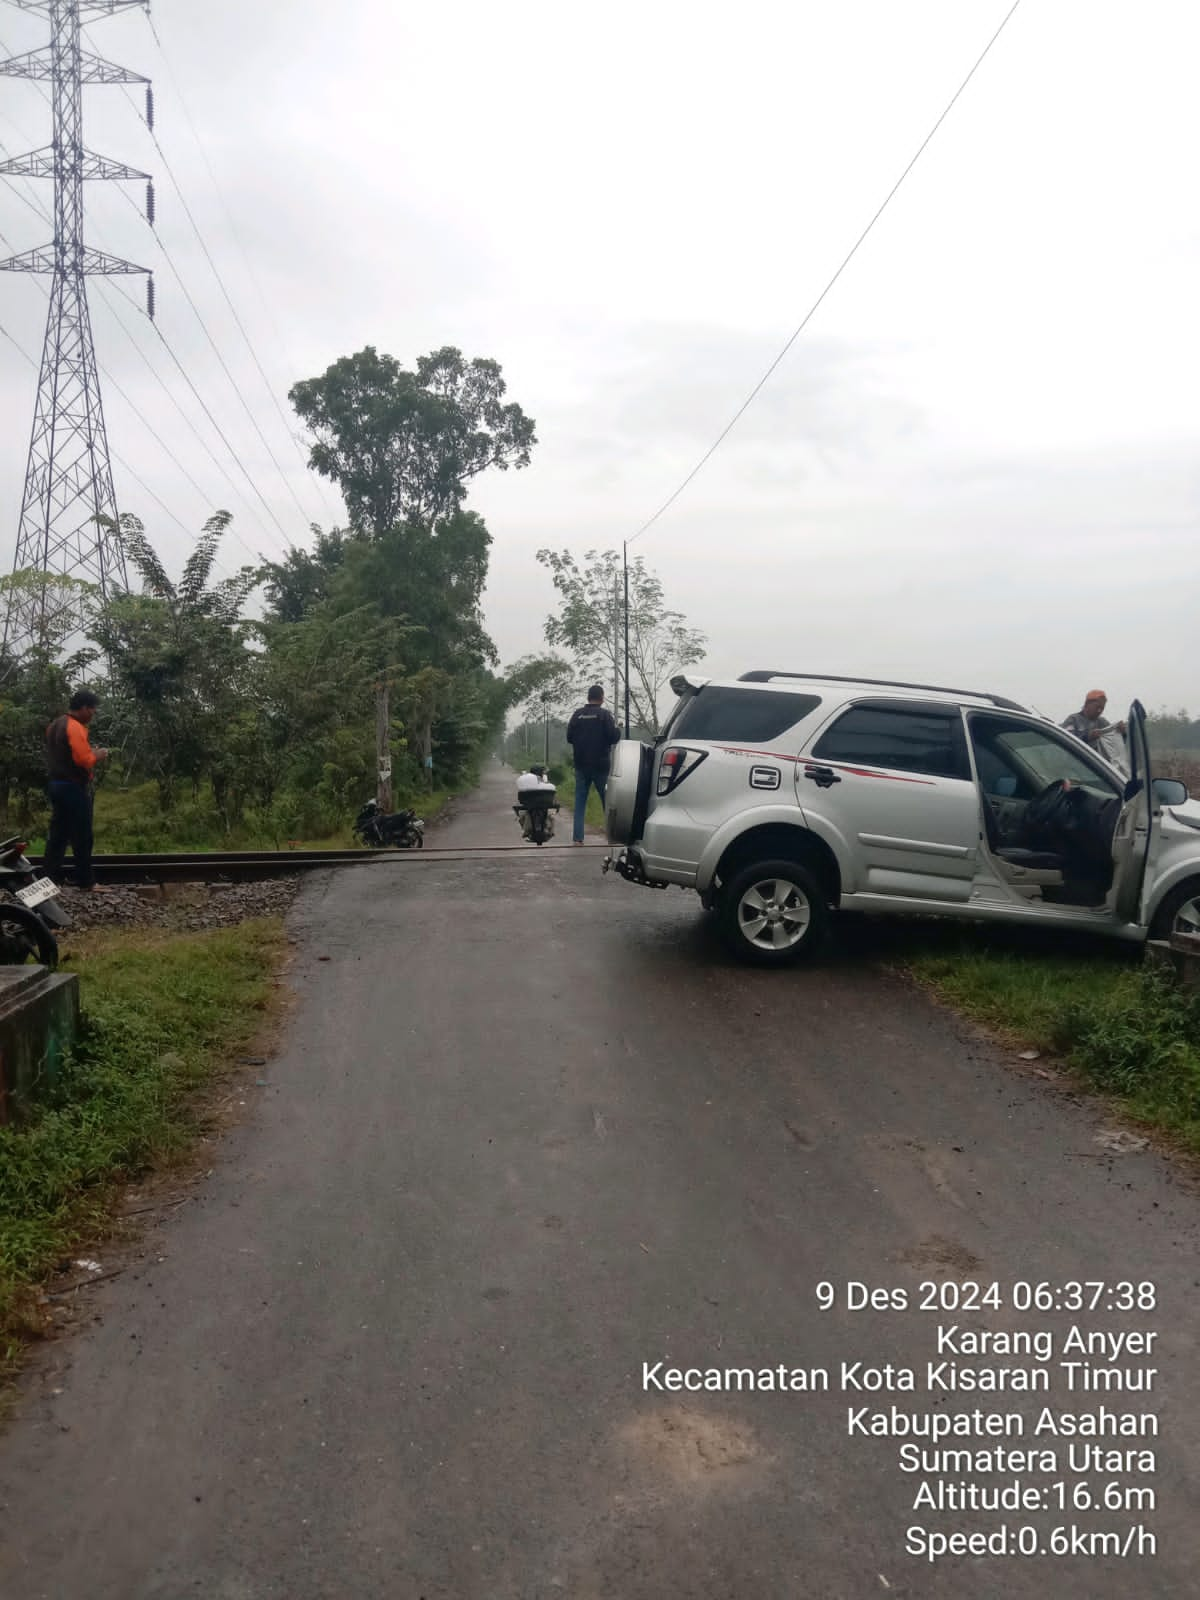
(677, 763)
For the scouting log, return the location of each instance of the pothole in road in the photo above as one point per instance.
(692, 1448)
(943, 1257)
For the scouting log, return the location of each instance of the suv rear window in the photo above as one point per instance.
(906, 739)
(742, 716)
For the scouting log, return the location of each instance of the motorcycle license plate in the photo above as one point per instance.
(40, 889)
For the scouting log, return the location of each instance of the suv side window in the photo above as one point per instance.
(1031, 757)
(741, 716)
(904, 737)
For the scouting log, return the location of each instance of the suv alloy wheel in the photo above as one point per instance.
(773, 913)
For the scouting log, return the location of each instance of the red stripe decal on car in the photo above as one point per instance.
(861, 772)
(771, 755)
(811, 761)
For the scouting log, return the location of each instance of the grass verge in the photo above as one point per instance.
(130, 821)
(164, 1013)
(566, 799)
(1127, 1029)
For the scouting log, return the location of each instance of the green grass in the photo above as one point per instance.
(1127, 1029)
(130, 820)
(566, 799)
(163, 1015)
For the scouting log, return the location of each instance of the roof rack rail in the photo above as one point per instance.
(762, 676)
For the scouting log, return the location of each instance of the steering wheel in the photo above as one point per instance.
(1052, 807)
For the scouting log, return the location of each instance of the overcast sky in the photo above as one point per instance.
(979, 463)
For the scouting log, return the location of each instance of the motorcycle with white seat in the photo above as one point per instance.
(537, 803)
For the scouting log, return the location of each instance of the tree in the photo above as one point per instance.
(178, 656)
(65, 607)
(34, 689)
(590, 623)
(304, 579)
(1171, 731)
(402, 446)
(537, 684)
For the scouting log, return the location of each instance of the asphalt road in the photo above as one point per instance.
(528, 1131)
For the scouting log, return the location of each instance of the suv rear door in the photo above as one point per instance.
(888, 783)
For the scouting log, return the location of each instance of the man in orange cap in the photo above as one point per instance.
(1089, 724)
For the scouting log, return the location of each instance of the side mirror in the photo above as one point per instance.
(1170, 792)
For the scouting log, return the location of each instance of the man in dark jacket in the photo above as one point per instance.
(71, 762)
(591, 733)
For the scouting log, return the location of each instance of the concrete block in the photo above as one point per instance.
(39, 1020)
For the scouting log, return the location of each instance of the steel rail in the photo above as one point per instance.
(245, 865)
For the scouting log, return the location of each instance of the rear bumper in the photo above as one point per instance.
(635, 866)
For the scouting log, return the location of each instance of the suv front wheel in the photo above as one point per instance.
(772, 913)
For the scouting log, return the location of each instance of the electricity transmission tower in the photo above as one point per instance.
(68, 479)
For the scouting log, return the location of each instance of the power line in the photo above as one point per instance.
(222, 434)
(122, 463)
(171, 396)
(34, 204)
(39, 208)
(109, 378)
(316, 483)
(212, 342)
(853, 251)
(254, 423)
(246, 261)
(233, 383)
(126, 296)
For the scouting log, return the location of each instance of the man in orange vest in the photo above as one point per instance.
(71, 763)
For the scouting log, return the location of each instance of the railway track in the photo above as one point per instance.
(240, 866)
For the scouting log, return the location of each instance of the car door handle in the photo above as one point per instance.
(821, 776)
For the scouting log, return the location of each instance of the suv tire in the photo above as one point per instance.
(773, 913)
(1163, 924)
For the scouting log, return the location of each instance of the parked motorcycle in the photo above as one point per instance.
(381, 830)
(29, 910)
(537, 803)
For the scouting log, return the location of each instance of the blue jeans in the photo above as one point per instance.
(70, 824)
(585, 778)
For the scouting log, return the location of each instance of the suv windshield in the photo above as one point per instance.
(742, 716)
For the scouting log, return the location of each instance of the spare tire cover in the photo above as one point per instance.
(627, 793)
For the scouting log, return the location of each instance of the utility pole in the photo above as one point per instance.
(625, 563)
(616, 642)
(383, 747)
(68, 478)
(546, 716)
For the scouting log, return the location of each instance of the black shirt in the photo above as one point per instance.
(591, 733)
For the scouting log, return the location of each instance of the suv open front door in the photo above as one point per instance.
(1133, 837)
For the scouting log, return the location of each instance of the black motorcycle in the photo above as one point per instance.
(536, 808)
(29, 910)
(382, 830)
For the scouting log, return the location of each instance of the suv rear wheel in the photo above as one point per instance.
(772, 913)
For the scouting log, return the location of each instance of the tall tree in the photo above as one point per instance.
(590, 623)
(539, 680)
(303, 579)
(403, 445)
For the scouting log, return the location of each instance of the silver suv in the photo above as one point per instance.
(783, 796)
